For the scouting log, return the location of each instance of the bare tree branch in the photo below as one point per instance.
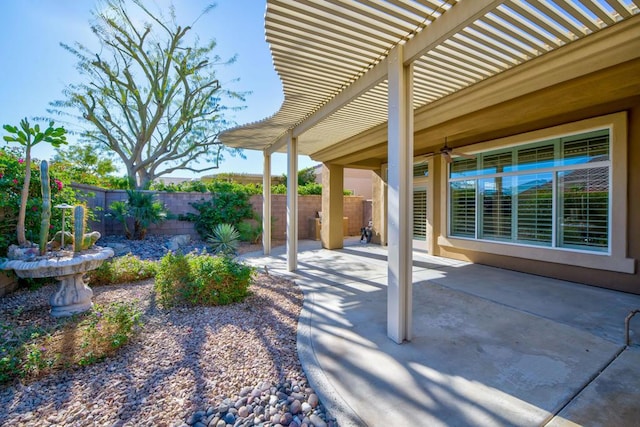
(149, 97)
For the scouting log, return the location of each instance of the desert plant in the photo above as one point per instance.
(45, 218)
(197, 279)
(79, 226)
(224, 239)
(143, 208)
(28, 137)
(12, 173)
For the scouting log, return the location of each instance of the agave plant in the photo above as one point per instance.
(225, 239)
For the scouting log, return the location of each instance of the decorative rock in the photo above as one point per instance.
(119, 249)
(229, 418)
(243, 412)
(286, 419)
(295, 407)
(240, 402)
(306, 408)
(313, 400)
(179, 241)
(298, 396)
(221, 423)
(317, 421)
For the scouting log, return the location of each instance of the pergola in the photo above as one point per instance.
(352, 67)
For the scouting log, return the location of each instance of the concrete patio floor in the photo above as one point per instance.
(491, 347)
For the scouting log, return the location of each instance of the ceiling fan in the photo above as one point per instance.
(449, 153)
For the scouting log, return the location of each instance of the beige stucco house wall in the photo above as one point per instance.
(593, 83)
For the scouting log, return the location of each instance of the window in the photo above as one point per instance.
(420, 174)
(553, 193)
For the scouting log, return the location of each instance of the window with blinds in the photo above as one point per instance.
(463, 208)
(420, 213)
(553, 193)
(495, 208)
(534, 207)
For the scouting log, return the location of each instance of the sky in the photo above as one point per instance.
(35, 68)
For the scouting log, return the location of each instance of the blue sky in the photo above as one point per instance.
(35, 68)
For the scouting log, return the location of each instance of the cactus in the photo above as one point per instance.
(78, 228)
(45, 219)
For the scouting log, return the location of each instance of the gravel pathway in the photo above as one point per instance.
(235, 365)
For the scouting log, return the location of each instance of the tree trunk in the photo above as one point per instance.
(22, 238)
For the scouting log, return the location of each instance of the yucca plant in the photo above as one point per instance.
(225, 239)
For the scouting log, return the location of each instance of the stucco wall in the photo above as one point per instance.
(598, 277)
(180, 203)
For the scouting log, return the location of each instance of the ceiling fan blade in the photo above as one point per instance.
(424, 156)
(465, 156)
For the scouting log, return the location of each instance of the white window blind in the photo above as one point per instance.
(553, 193)
(420, 213)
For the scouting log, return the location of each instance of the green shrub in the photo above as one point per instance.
(224, 239)
(106, 329)
(310, 189)
(251, 229)
(30, 352)
(186, 186)
(128, 268)
(225, 206)
(201, 280)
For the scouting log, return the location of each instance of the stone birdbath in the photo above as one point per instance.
(73, 295)
(67, 257)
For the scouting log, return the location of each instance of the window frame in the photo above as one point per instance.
(615, 258)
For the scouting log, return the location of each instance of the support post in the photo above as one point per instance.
(292, 202)
(400, 198)
(332, 206)
(266, 204)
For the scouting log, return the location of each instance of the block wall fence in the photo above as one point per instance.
(356, 210)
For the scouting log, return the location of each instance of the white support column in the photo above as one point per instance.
(266, 204)
(400, 198)
(292, 202)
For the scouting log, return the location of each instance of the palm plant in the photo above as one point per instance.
(225, 239)
(143, 208)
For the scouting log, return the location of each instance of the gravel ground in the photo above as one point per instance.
(209, 366)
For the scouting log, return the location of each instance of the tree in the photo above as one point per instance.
(307, 176)
(28, 137)
(150, 98)
(83, 164)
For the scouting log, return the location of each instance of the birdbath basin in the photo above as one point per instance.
(73, 295)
